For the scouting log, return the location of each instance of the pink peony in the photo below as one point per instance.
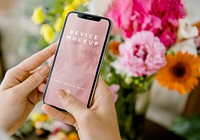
(133, 17)
(142, 54)
(159, 16)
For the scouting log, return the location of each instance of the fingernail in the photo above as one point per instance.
(61, 94)
(44, 71)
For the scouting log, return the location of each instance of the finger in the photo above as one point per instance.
(71, 104)
(33, 71)
(13, 77)
(46, 80)
(16, 76)
(58, 115)
(37, 59)
(103, 98)
(50, 60)
(102, 90)
(42, 87)
(40, 95)
(19, 73)
(33, 81)
(35, 97)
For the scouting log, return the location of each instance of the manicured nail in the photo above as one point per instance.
(61, 94)
(45, 70)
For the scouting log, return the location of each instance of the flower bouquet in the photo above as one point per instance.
(140, 50)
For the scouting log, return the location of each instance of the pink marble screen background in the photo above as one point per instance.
(77, 60)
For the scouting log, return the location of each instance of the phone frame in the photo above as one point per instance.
(87, 17)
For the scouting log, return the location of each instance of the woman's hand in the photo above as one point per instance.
(97, 123)
(18, 91)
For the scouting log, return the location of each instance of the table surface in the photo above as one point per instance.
(153, 131)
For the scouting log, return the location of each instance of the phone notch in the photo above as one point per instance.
(89, 17)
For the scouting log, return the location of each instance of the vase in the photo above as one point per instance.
(131, 109)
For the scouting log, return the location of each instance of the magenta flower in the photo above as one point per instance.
(169, 11)
(158, 16)
(142, 54)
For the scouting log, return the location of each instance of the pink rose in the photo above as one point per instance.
(142, 54)
(158, 16)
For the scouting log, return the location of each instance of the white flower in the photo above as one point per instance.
(120, 69)
(99, 7)
(186, 46)
(186, 30)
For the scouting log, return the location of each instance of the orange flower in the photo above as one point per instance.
(180, 73)
(73, 136)
(114, 47)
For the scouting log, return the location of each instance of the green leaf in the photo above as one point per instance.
(188, 127)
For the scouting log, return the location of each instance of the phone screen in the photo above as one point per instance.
(78, 58)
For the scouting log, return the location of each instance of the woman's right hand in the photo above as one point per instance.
(97, 123)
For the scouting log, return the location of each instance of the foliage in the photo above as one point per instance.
(188, 127)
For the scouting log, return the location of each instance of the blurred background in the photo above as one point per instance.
(155, 112)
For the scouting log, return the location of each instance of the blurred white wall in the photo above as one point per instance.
(10, 31)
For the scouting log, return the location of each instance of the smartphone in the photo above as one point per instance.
(78, 58)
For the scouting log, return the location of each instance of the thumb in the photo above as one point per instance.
(33, 81)
(71, 104)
